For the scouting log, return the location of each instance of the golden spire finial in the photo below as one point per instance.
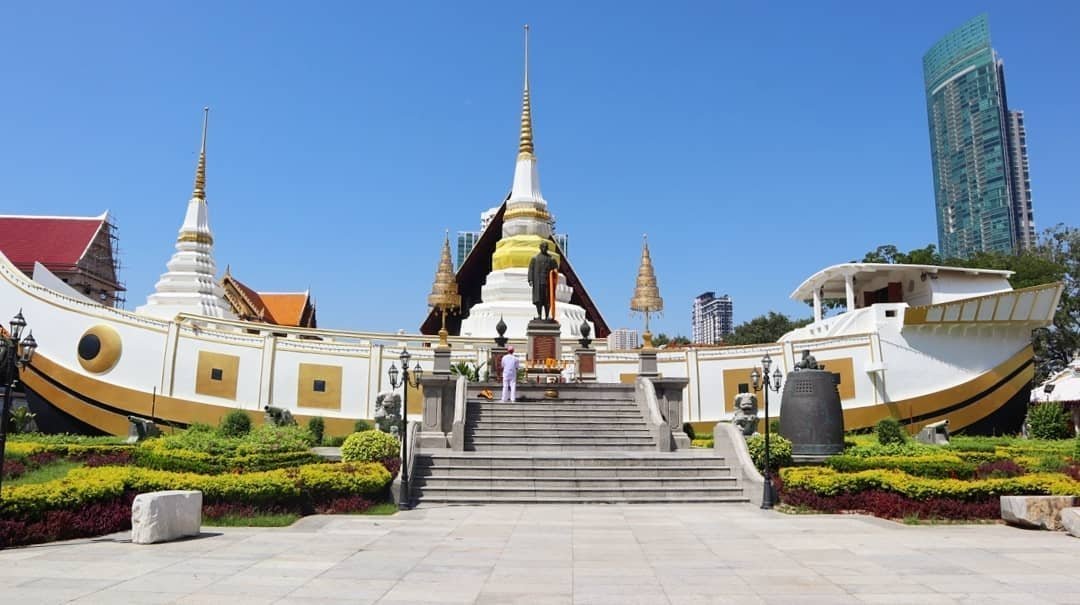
(200, 170)
(646, 298)
(444, 292)
(525, 143)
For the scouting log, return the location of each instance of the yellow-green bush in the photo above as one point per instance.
(22, 449)
(163, 455)
(828, 482)
(86, 485)
(370, 446)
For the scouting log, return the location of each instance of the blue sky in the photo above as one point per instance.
(755, 142)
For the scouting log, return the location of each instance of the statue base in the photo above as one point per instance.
(442, 361)
(544, 340)
(586, 364)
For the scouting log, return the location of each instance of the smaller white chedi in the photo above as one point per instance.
(506, 293)
(190, 284)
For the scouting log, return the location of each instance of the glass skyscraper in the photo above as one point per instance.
(978, 147)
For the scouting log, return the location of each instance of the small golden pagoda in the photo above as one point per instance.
(646, 298)
(444, 292)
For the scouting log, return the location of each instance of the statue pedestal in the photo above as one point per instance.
(442, 361)
(586, 364)
(647, 363)
(495, 362)
(544, 340)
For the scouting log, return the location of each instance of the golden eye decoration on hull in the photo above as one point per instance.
(99, 349)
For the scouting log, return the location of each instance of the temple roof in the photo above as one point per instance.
(474, 271)
(58, 242)
(294, 309)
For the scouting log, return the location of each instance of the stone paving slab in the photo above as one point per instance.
(561, 554)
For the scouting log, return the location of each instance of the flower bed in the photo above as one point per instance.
(963, 480)
(33, 513)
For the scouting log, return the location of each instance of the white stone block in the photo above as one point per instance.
(1070, 520)
(1041, 512)
(165, 516)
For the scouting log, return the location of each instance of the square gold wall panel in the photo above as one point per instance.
(319, 386)
(845, 367)
(217, 375)
(732, 380)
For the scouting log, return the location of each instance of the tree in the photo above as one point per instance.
(660, 340)
(680, 341)
(764, 329)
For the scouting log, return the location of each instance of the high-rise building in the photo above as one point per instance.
(1021, 180)
(712, 318)
(978, 147)
(622, 339)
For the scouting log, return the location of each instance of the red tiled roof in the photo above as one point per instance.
(56, 242)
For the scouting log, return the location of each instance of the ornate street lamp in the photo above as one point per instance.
(408, 378)
(15, 354)
(763, 382)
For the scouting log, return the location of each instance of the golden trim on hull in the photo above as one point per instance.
(139, 403)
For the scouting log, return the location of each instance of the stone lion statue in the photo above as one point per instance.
(388, 412)
(746, 413)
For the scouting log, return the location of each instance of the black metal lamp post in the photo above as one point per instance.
(15, 354)
(408, 378)
(763, 382)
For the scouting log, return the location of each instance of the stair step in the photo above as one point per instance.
(598, 493)
(504, 482)
(630, 472)
(559, 440)
(525, 499)
(587, 424)
(611, 460)
(485, 432)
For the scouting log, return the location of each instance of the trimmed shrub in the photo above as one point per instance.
(779, 451)
(889, 431)
(999, 469)
(827, 482)
(370, 446)
(361, 426)
(235, 424)
(1048, 421)
(894, 506)
(317, 427)
(938, 466)
(334, 441)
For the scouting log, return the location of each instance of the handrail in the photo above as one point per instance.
(645, 398)
(457, 435)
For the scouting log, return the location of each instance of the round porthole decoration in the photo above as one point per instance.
(99, 349)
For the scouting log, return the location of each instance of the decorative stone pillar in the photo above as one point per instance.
(585, 356)
(498, 351)
(438, 411)
(669, 397)
(442, 361)
(647, 365)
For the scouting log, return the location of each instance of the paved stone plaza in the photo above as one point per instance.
(538, 554)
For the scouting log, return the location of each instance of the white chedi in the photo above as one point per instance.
(190, 285)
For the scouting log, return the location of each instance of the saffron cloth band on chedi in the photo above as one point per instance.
(812, 418)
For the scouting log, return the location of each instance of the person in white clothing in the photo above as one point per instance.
(510, 365)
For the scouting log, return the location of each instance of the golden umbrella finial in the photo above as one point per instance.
(200, 171)
(646, 298)
(444, 292)
(525, 142)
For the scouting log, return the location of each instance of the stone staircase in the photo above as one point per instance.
(591, 444)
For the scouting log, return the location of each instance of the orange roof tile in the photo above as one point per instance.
(286, 308)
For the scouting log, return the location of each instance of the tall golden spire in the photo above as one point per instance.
(444, 292)
(525, 143)
(646, 298)
(200, 170)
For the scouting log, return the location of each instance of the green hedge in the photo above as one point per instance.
(828, 482)
(940, 466)
(370, 446)
(84, 486)
(154, 454)
(21, 449)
